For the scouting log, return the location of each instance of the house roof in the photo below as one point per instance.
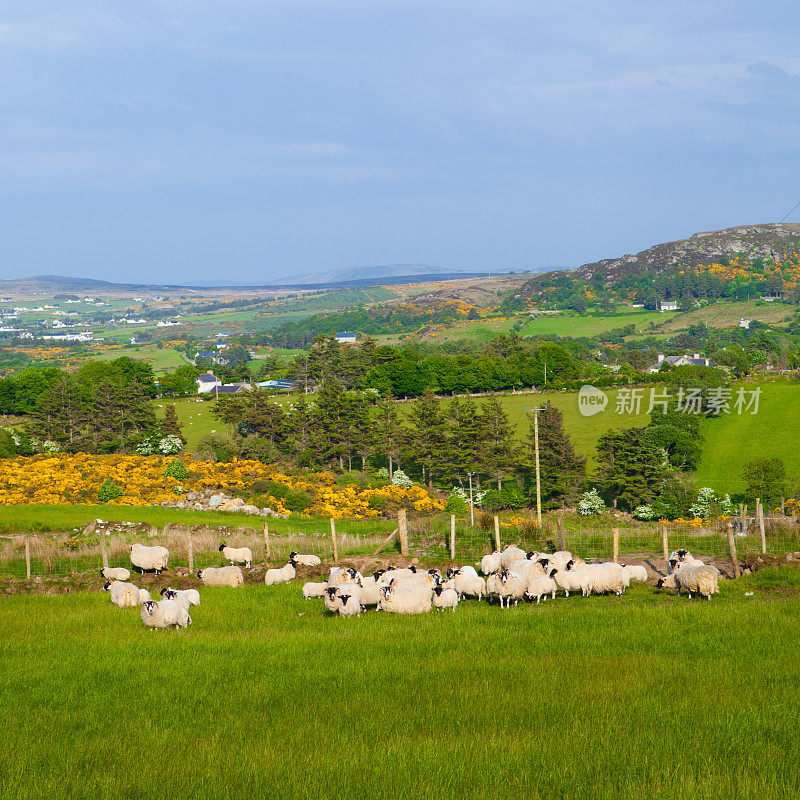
(346, 333)
(206, 377)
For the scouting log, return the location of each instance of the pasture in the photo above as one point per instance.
(160, 359)
(578, 325)
(647, 695)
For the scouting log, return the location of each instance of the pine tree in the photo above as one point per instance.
(428, 434)
(330, 421)
(499, 448)
(562, 472)
(467, 437)
(62, 414)
(170, 426)
(389, 433)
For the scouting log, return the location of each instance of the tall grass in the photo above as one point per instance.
(644, 696)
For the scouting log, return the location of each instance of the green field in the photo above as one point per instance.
(648, 695)
(732, 439)
(160, 359)
(196, 418)
(576, 325)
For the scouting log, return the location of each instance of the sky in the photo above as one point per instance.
(249, 140)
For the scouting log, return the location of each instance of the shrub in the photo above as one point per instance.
(382, 474)
(401, 479)
(485, 521)
(590, 503)
(379, 502)
(510, 496)
(644, 513)
(457, 503)
(297, 501)
(176, 469)
(216, 448)
(109, 491)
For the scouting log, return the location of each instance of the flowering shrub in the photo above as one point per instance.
(644, 513)
(709, 504)
(170, 445)
(590, 503)
(382, 474)
(401, 479)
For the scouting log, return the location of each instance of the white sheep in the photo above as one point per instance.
(469, 583)
(285, 574)
(559, 559)
(405, 601)
(144, 596)
(527, 570)
(115, 573)
(636, 572)
(165, 614)
(510, 587)
(511, 554)
(371, 593)
(568, 580)
(123, 595)
(669, 582)
(237, 555)
(311, 589)
(444, 598)
(540, 587)
(222, 576)
(698, 579)
(349, 603)
(186, 597)
(602, 578)
(331, 599)
(491, 563)
(678, 558)
(149, 558)
(575, 563)
(305, 560)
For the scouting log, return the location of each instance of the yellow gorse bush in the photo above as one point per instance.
(67, 478)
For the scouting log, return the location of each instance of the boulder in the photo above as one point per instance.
(216, 500)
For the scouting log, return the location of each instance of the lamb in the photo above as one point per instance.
(311, 589)
(601, 578)
(405, 601)
(115, 573)
(222, 576)
(149, 558)
(698, 579)
(237, 555)
(469, 583)
(285, 574)
(568, 580)
(349, 604)
(491, 563)
(511, 587)
(305, 560)
(165, 614)
(186, 597)
(510, 555)
(123, 595)
(445, 598)
(636, 572)
(543, 585)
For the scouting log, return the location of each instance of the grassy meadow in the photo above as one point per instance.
(160, 359)
(577, 325)
(648, 695)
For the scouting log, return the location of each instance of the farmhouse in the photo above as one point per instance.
(233, 388)
(744, 323)
(207, 382)
(346, 337)
(668, 305)
(694, 360)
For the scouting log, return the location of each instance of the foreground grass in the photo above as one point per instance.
(644, 696)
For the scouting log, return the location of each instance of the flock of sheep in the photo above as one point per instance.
(508, 576)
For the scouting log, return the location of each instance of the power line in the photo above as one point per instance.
(797, 205)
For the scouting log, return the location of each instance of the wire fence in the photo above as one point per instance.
(432, 540)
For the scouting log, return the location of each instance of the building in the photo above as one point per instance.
(233, 388)
(207, 382)
(744, 323)
(280, 385)
(346, 337)
(668, 305)
(694, 360)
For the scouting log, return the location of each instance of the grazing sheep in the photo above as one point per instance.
(349, 604)
(602, 578)
(123, 595)
(371, 593)
(305, 560)
(115, 573)
(510, 555)
(186, 597)
(511, 587)
(405, 601)
(444, 598)
(698, 579)
(527, 570)
(575, 564)
(237, 555)
(560, 559)
(222, 576)
(491, 563)
(540, 587)
(331, 599)
(285, 574)
(669, 582)
(311, 589)
(568, 580)
(144, 596)
(165, 614)
(149, 558)
(469, 583)
(636, 572)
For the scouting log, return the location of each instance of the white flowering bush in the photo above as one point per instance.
(382, 474)
(644, 513)
(709, 504)
(401, 479)
(49, 446)
(170, 445)
(590, 503)
(463, 495)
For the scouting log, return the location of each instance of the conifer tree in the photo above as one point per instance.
(428, 434)
(170, 426)
(500, 450)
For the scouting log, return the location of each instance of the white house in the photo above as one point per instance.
(744, 323)
(346, 337)
(694, 360)
(207, 382)
(668, 305)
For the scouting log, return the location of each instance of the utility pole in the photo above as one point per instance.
(471, 506)
(536, 449)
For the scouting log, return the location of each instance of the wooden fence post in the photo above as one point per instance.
(333, 539)
(452, 537)
(497, 533)
(562, 544)
(103, 548)
(267, 553)
(615, 544)
(28, 557)
(402, 532)
(761, 527)
(783, 506)
(190, 548)
(665, 541)
(734, 557)
(743, 517)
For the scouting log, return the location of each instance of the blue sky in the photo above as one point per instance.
(190, 140)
